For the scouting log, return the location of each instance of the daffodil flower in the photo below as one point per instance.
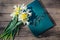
(16, 11)
(24, 17)
(22, 12)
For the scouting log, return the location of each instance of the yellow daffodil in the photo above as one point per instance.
(22, 16)
(16, 11)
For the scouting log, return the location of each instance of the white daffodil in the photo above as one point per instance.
(16, 11)
(24, 18)
(22, 15)
(23, 7)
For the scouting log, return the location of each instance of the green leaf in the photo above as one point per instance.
(13, 23)
(10, 25)
(12, 28)
(5, 33)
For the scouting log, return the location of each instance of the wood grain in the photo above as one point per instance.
(53, 8)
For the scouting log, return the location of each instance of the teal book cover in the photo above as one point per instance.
(40, 20)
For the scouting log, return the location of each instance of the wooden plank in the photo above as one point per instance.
(5, 17)
(4, 24)
(6, 9)
(25, 32)
(53, 12)
(15, 1)
(7, 6)
(9, 9)
(34, 38)
(51, 3)
(48, 3)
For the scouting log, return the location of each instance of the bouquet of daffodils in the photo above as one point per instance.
(19, 16)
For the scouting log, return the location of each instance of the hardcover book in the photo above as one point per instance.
(40, 20)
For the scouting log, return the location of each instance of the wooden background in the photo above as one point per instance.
(52, 6)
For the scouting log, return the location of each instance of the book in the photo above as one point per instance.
(40, 20)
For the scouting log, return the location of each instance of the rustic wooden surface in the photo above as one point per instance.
(52, 6)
